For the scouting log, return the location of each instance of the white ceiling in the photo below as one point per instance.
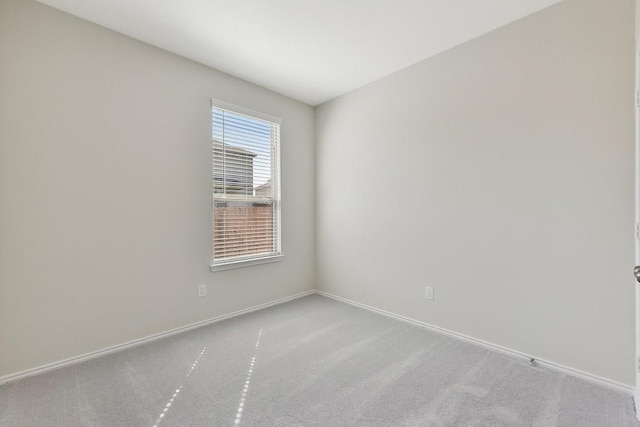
(310, 50)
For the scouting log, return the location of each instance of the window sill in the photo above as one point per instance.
(245, 263)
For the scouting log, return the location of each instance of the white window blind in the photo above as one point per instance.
(246, 187)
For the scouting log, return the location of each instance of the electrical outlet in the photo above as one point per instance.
(202, 290)
(428, 293)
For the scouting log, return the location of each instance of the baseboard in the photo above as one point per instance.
(540, 362)
(92, 355)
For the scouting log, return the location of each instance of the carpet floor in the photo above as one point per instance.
(313, 361)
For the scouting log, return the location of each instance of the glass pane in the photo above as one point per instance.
(242, 154)
(242, 228)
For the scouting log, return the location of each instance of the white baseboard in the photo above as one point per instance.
(92, 355)
(540, 362)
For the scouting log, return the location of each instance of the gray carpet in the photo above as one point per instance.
(310, 362)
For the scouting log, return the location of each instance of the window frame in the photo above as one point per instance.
(249, 260)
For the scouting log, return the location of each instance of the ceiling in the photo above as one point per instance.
(309, 50)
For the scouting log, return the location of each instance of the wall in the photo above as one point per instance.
(501, 173)
(105, 190)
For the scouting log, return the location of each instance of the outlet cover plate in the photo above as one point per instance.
(428, 293)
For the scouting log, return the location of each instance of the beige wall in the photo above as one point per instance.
(500, 173)
(105, 190)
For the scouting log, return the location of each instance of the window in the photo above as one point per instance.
(246, 187)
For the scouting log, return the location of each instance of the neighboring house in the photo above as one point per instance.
(264, 190)
(233, 169)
